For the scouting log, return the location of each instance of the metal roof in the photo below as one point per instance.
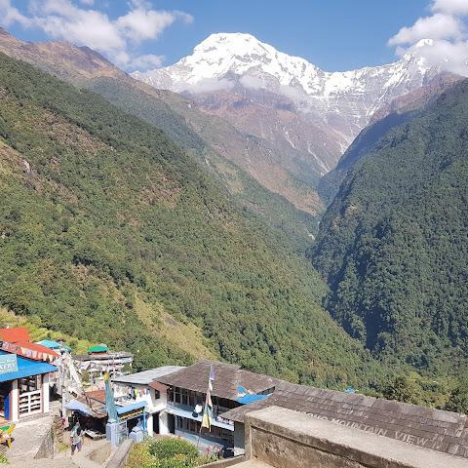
(228, 377)
(111, 355)
(12, 335)
(128, 408)
(146, 377)
(27, 368)
(49, 344)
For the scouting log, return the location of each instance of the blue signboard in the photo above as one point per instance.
(8, 363)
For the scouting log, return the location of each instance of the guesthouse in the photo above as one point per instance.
(24, 386)
(176, 396)
(25, 372)
(101, 361)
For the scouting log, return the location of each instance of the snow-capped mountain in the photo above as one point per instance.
(341, 101)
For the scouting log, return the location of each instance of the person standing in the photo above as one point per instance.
(76, 438)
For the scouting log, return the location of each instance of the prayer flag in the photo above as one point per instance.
(207, 412)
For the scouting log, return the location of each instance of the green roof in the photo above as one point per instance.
(101, 348)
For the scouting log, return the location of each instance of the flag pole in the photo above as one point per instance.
(205, 409)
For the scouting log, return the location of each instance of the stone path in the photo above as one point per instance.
(44, 463)
(81, 459)
(252, 464)
(28, 437)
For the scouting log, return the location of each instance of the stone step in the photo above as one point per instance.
(253, 464)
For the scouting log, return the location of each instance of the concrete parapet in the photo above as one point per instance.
(226, 463)
(284, 438)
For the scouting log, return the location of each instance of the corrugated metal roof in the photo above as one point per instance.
(49, 344)
(13, 335)
(27, 368)
(158, 386)
(227, 378)
(146, 377)
(97, 395)
(37, 347)
(127, 409)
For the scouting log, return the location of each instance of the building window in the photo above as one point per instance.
(192, 426)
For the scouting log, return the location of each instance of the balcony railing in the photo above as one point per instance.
(30, 403)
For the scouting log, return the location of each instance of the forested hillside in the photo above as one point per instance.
(393, 245)
(214, 143)
(223, 152)
(108, 231)
(400, 110)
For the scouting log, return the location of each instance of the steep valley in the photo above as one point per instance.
(393, 244)
(107, 227)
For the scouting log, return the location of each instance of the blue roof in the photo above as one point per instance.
(247, 399)
(49, 344)
(27, 368)
(76, 405)
(127, 409)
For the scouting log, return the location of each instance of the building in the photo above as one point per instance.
(144, 387)
(176, 396)
(24, 386)
(25, 374)
(282, 438)
(59, 347)
(100, 361)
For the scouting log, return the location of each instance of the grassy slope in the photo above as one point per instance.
(102, 212)
(38, 332)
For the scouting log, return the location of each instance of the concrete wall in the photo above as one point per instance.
(119, 458)
(226, 463)
(205, 443)
(283, 438)
(239, 439)
(47, 447)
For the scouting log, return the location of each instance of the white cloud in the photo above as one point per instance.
(10, 15)
(438, 26)
(146, 62)
(118, 38)
(208, 85)
(60, 19)
(457, 7)
(449, 56)
(253, 82)
(140, 24)
(446, 27)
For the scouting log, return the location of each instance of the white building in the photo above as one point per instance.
(175, 397)
(143, 386)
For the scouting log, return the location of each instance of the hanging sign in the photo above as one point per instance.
(8, 363)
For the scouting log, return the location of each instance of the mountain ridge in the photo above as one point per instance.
(107, 226)
(220, 57)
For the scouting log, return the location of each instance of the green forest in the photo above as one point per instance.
(393, 245)
(107, 229)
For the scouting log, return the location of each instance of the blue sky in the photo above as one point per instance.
(333, 34)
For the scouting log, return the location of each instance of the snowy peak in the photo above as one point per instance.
(241, 53)
(234, 54)
(243, 66)
(224, 56)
